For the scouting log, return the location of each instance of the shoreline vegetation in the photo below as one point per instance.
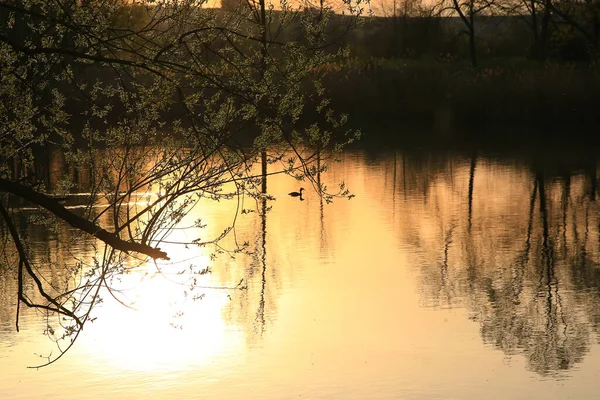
(413, 66)
(428, 69)
(444, 96)
(415, 70)
(447, 95)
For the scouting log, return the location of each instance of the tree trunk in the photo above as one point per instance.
(472, 47)
(534, 28)
(545, 39)
(469, 22)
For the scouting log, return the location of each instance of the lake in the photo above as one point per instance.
(450, 275)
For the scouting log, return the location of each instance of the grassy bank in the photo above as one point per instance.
(447, 94)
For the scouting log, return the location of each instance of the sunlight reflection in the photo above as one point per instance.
(173, 318)
(436, 276)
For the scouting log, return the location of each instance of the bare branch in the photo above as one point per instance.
(78, 222)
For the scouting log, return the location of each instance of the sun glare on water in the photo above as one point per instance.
(166, 325)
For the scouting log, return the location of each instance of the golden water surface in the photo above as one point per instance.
(448, 276)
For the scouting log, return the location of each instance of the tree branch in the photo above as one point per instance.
(24, 262)
(78, 222)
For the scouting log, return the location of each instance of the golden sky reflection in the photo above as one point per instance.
(389, 295)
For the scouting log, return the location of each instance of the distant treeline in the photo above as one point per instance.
(444, 38)
(442, 64)
(540, 29)
(473, 63)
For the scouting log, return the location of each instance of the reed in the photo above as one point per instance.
(432, 92)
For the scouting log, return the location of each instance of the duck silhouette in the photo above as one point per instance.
(297, 194)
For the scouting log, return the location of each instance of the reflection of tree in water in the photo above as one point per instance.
(56, 267)
(517, 247)
(254, 308)
(8, 283)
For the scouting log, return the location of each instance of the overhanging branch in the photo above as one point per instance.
(50, 204)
